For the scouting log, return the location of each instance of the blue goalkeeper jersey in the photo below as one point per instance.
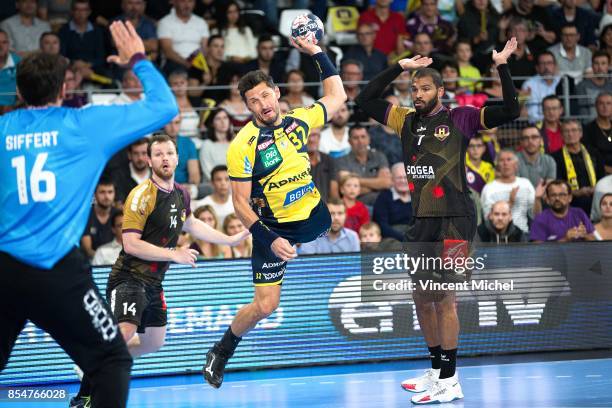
(51, 160)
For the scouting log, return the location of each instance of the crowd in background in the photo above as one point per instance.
(547, 177)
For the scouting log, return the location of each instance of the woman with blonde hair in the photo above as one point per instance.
(245, 248)
(208, 250)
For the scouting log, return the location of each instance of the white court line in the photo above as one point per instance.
(178, 388)
(239, 386)
(504, 378)
(327, 382)
(268, 385)
(149, 390)
(474, 378)
(384, 381)
(300, 383)
(563, 376)
(593, 375)
(356, 382)
(533, 376)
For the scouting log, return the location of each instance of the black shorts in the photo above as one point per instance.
(441, 237)
(138, 303)
(268, 269)
(65, 302)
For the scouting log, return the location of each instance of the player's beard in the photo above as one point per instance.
(270, 122)
(425, 110)
(165, 175)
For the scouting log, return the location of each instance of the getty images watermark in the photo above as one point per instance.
(433, 273)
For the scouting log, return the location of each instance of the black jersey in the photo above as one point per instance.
(433, 150)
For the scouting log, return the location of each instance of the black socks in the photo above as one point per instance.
(229, 342)
(448, 360)
(434, 356)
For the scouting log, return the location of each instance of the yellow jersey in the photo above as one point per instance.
(275, 160)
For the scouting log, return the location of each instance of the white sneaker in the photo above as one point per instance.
(422, 383)
(445, 390)
(78, 372)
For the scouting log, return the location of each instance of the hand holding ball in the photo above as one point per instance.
(307, 27)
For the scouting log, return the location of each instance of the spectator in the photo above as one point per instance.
(561, 222)
(578, 166)
(235, 107)
(520, 62)
(137, 172)
(241, 44)
(541, 85)
(180, 34)
(370, 165)
(427, 20)
(108, 253)
(321, 166)
(393, 207)
(187, 171)
(8, 72)
(603, 186)
(219, 135)
(401, 89)
(603, 229)
(498, 226)
(131, 89)
(550, 128)
(389, 26)
(479, 23)
(535, 165)
(295, 94)
(450, 76)
(584, 21)
(335, 138)
(369, 233)
(479, 172)
(471, 74)
(207, 9)
(50, 43)
(221, 198)
(283, 107)
(99, 230)
(75, 97)
(190, 120)
(541, 34)
(356, 213)
(385, 139)
(134, 12)
(232, 225)
(351, 72)
(265, 60)
(572, 59)
(598, 83)
(338, 239)
(206, 249)
(373, 60)
(24, 29)
(84, 43)
(598, 133)
(423, 46)
(56, 12)
(605, 40)
(518, 191)
(209, 68)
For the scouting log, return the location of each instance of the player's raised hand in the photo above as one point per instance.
(239, 237)
(415, 62)
(502, 57)
(305, 46)
(127, 42)
(185, 256)
(283, 249)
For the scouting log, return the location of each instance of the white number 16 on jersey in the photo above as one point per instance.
(37, 177)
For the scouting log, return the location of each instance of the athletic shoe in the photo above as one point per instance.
(80, 402)
(445, 390)
(422, 383)
(215, 366)
(78, 372)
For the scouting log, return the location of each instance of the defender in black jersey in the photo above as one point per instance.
(434, 142)
(155, 213)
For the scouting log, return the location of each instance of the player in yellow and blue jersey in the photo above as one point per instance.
(273, 191)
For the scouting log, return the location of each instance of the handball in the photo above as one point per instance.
(307, 26)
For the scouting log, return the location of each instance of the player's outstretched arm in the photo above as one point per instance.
(205, 232)
(370, 99)
(334, 95)
(498, 115)
(241, 193)
(135, 246)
